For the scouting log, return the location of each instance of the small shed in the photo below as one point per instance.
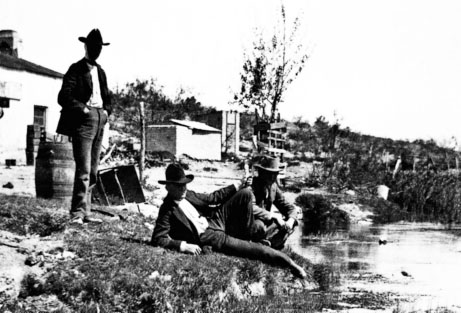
(229, 124)
(197, 140)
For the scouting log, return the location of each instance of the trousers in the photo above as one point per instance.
(271, 232)
(230, 231)
(86, 145)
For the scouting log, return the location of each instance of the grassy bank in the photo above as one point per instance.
(116, 270)
(423, 195)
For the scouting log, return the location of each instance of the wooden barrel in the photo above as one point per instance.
(54, 170)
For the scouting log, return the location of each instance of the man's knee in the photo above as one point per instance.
(245, 194)
(258, 231)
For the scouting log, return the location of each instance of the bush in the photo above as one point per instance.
(384, 211)
(320, 216)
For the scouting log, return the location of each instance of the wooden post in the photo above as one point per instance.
(142, 155)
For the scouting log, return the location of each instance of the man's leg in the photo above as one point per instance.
(83, 144)
(277, 236)
(82, 156)
(235, 217)
(259, 230)
(221, 242)
(96, 152)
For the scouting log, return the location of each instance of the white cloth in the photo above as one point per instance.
(96, 99)
(200, 222)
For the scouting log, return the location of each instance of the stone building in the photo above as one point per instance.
(28, 100)
(195, 139)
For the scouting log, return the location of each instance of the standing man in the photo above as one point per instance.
(189, 221)
(271, 228)
(86, 105)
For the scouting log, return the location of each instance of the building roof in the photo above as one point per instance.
(19, 64)
(195, 125)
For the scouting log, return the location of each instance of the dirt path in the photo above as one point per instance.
(21, 177)
(19, 256)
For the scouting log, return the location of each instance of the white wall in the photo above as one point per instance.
(201, 146)
(35, 90)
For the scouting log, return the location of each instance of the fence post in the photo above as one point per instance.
(142, 155)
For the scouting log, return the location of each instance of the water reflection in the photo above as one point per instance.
(428, 254)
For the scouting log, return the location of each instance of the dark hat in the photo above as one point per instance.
(269, 164)
(175, 175)
(94, 37)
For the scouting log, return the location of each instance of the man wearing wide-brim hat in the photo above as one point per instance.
(223, 220)
(272, 228)
(86, 105)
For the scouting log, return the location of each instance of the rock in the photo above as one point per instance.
(155, 275)
(148, 210)
(8, 185)
(68, 255)
(351, 193)
(257, 289)
(31, 260)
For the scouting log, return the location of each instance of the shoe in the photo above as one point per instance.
(298, 271)
(265, 242)
(93, 220)
(78, 220)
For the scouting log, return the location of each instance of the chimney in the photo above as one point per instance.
(10, 43)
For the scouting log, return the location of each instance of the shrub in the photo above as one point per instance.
(320, 216)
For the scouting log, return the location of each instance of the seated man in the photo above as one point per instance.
(272, 229)
(223, 219)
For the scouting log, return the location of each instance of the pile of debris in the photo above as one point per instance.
(121, 154)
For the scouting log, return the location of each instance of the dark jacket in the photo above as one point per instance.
(76, 90)
(172, 225)
(263, 203)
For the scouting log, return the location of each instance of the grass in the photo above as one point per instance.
(428, 196)
(116, 270)
(27, 215)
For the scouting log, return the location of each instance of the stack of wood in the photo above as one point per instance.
(33, 140)
(35, 135)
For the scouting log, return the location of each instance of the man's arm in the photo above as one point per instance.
(287, 209)
(69, 83)
(217, 197)
(161, 236)
(259, 212)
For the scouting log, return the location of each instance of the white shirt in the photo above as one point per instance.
(96, 99)
(200, 222)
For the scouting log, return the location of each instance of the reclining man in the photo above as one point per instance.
(223, 219)
(269, 228)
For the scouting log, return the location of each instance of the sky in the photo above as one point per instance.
(385, 68)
